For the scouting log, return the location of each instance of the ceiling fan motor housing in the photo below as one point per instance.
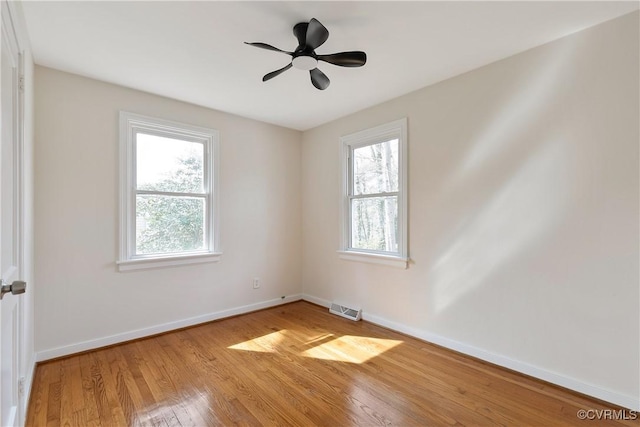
(304, 58)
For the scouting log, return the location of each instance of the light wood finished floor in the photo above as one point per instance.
(293, 365)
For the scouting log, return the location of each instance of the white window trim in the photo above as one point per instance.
(395, 129)
(130, 123)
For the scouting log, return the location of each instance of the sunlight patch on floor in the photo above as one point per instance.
(327, 346)
(265, 344)
(352, 349)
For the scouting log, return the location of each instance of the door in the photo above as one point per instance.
(10, 224)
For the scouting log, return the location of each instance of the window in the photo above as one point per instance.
(374, 208)
(168, 193)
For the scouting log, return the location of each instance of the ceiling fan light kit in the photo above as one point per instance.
(312, 35)
(304, 62)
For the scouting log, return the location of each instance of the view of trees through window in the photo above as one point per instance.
(170, 204)
(374, 202)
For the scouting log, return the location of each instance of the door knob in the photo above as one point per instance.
(16, 288)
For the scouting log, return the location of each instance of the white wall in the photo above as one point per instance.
(82, 301)
(523, 214)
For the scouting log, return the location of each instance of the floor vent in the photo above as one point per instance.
(349, 313)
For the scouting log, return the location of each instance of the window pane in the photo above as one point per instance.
(167, 224)
(166, 164)
(375, 168)
(374, 224)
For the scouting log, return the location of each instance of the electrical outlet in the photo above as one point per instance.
(256, 282)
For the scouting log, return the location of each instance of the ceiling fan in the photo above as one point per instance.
(312, 35)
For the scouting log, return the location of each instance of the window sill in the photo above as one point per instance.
(167, 261)
(392, 261)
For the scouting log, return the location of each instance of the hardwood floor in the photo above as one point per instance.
(293, 365)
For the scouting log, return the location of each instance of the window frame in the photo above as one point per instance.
(130, 125)
(348, 143)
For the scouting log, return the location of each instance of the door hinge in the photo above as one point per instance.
(21, 387)
(21, 83)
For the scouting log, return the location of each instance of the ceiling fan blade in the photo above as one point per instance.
(267, 46)
(319, 79)
(345, 59)
(272, 74)
(317, 34)
(300, 31)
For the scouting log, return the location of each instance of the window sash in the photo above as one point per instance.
(179, 136)
(364, 196)
(351, 196)
(203, 249)
(170, 193)
(352, 221)
(372, 195)
(352, 158)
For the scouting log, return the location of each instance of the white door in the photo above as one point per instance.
(10, 225)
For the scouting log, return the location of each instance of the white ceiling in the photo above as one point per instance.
(194, 51)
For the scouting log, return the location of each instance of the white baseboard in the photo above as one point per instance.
(158, 329)
(620, 399)
(316, 300)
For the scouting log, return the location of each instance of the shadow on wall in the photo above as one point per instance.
(523, 144)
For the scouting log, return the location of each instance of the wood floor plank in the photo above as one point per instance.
(37, 411)
(89, 399)
(66, 392)
(294, 365)
(53, 405)
(218, 386)
(98, 390)
(188, 402)
(143, 397)
(160, 386)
